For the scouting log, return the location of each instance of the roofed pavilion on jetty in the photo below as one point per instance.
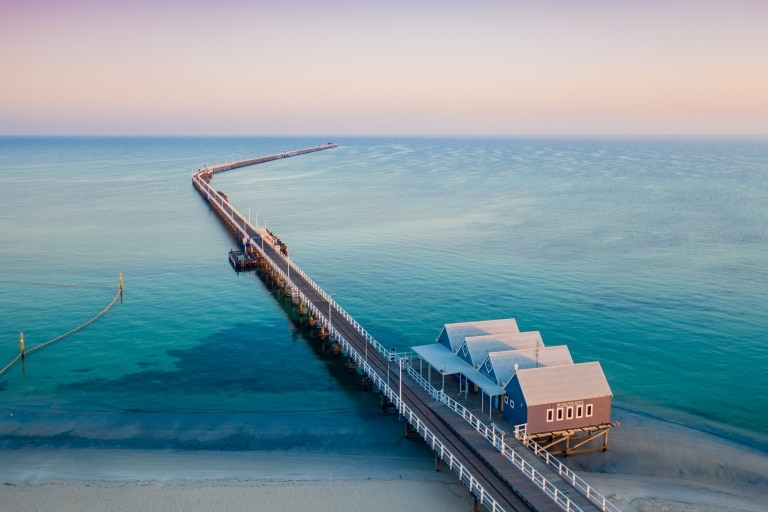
(562, 405)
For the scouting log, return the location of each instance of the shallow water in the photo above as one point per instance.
(648, 255)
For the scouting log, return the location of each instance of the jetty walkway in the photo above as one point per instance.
(499, 468)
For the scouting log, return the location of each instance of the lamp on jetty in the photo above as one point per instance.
(400, 397)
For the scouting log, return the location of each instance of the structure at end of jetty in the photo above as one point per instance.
(564, 407)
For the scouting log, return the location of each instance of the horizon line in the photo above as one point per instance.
(393, 135)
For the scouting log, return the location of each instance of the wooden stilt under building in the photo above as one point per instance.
(578, 440)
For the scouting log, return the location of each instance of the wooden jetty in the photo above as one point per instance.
(502, 474)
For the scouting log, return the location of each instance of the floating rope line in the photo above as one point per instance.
(8, 366)
(73, 285)
(80, 327)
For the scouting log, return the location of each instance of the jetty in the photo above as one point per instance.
(503, 468)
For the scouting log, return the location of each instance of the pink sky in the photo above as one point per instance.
(199, 67)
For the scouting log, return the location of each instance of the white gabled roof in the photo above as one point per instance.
(553, 384)
(475, 350)
(503, 363)
(453, 335)
(514, 340)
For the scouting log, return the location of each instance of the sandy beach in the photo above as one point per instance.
(651, 466)
(90, 480)
(373, 496)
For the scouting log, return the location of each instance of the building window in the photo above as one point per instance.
(511, 404)
(569, 413)
(559, 414)
(579, 411)
(589, 410)
(550, 414)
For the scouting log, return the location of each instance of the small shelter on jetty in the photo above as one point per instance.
(564, 406)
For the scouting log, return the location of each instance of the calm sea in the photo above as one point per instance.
(649, 255)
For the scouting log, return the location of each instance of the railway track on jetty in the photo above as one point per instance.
(475, 452)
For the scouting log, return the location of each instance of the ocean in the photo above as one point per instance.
(648, 254)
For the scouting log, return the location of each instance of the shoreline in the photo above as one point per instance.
(651, 465)
(311, 496)
(675, 419)
(86, 480)
(39, 466)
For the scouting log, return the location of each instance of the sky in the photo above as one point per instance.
(395, 67)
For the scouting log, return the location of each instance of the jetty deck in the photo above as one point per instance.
(501, 472)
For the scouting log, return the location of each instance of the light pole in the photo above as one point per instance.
(400, 385)
(400, 398)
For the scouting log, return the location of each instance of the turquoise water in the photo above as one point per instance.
(647, 254)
